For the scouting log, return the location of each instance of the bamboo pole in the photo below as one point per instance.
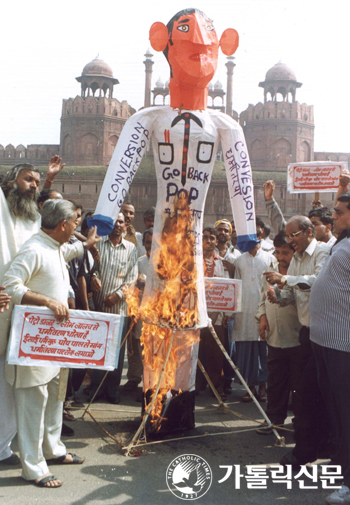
(147, 413)
(211, 385)
(281, 440)
(105, 375)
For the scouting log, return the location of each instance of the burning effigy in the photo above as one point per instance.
(185, 137)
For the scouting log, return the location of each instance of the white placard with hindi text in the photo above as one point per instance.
(86, 339)
(223, 295)
(315, 176)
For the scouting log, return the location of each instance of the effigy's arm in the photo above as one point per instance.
(131, 146)
(240, 182)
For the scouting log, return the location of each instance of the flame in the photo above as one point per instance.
(173, 307)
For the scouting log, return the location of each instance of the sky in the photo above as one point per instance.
(45, 46)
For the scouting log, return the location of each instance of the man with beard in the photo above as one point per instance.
(19, 220)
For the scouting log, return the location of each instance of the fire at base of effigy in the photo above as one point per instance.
(170, 334)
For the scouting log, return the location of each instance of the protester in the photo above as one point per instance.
(229, 253)
(148, 221)
(233, 240)
(47, 194)
(329, 333)
(322, 220)
(312, 425)
(117, 272)
(223, 249)
(274, 212)
(89, 270)
(130, 234)
(264, 244)
(250, 349)
(209, 352)
(19, 220)
(280, 327)
(135, 367)
(38, 276)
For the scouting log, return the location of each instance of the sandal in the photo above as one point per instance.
(49, 478)
(262, 397)
(77, 460)
(247, 398)
(67, 416)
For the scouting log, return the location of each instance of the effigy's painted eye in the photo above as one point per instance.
(210, 28)
(183, 28)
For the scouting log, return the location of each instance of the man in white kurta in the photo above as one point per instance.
(250, 349)
(39, 276)
(16, 226)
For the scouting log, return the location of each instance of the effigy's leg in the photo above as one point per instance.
(173, 408)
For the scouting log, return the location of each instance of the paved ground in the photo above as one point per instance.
(108, 477)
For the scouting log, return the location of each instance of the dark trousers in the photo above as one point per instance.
(212, 358)
(312, 425)
(284, 373)
(333, 373)
(228, 371)
(111, 384)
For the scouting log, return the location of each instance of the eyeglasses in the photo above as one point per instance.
(293, 235)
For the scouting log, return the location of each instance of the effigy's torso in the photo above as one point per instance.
(184, 147)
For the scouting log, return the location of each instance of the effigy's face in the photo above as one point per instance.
(193, 48)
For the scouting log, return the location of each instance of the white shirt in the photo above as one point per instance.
(250, 269)
(283, 321)
(332, 241)
(303, 270)
(40, 266)
(13, 233)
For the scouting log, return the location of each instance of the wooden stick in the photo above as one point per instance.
(247, 388)
(211, 385)
(149, 410)
(105, 375)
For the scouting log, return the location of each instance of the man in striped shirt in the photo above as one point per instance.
(330, 337)
(117, 271)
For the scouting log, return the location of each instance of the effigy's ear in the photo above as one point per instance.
(158, 36)
(229, 41)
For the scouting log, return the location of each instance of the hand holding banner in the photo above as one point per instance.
(86, 339)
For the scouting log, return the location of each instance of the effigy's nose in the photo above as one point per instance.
(201, 35)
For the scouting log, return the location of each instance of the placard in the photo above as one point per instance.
(223, 295)
(315, 176)
(86, 339)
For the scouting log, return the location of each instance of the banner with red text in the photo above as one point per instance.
(315, 176)
(223, 295)
(86, 339)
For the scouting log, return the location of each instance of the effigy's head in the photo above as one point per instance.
(191, 46)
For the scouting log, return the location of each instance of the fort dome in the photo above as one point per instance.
(280, 72)
(97, 67)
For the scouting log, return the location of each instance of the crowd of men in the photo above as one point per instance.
(291, 342)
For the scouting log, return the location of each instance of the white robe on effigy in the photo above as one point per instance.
(184, 144)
